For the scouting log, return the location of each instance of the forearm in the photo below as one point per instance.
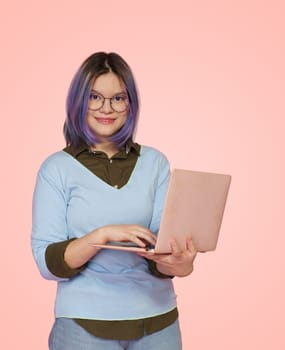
(79, 251)
(152, 267)
(179, 270)
(54, 257)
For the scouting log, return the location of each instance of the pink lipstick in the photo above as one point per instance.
(105, 121)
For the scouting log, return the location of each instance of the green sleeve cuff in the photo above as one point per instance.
(55, 260)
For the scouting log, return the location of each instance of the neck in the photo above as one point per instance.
(107, 147)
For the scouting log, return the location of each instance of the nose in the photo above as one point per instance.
(106, 107)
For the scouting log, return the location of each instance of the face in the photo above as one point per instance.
(105, 122)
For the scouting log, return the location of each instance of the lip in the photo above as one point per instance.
(105, 121)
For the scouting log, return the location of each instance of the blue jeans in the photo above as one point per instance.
(66, 334)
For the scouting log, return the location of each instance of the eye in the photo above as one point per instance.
(95, 97)
(119, 98)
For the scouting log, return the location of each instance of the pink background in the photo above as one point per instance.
(211, 79)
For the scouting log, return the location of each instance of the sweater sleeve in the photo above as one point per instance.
(161, 189)
(160, 192)
(49, 216)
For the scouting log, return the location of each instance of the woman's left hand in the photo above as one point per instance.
(178, 263)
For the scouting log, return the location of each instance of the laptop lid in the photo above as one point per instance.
(194, 205)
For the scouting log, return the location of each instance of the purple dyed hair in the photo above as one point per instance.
(76, 128)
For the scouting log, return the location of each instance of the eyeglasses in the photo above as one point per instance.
(119, 103)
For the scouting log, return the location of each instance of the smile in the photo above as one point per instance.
(105, 121)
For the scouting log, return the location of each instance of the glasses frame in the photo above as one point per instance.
(110, 98)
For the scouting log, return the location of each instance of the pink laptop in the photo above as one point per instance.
(194, 205)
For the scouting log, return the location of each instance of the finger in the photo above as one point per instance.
(135, 239)
(191, 248)
(151, 236)
(139, 235)
(175, 249)
(146, 235)
(144, 230)
(190, 244)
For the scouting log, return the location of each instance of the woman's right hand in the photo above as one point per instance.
(79, 251)
(124, 233)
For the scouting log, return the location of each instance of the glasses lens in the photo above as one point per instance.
(119, 103)
(96, 101)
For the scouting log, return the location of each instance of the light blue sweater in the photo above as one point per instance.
(70, 201)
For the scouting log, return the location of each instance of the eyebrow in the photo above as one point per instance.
(115, 94)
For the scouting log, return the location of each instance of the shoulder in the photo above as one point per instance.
(154, 161)
(55, 162)
(153, 153)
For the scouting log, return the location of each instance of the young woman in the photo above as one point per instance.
(105, 187)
